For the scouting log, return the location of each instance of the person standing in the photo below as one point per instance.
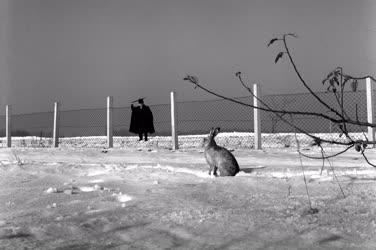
(141, 120)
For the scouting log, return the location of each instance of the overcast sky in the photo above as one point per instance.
(80, 51)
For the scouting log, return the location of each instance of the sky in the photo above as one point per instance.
(78, 52)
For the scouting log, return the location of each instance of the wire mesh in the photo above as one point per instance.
(198, 117)
(83, 128)
(162, 126)
(32, 130)
(87, 127)
(355, 107)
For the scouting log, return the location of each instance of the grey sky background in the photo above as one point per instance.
(80, 51)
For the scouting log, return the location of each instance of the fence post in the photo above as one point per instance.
(256, 117)
(56, 125)
(109, 122)
(174, 119)
(8, 125)
(370, 111)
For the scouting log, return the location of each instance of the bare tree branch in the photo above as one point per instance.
(303, 81)
(367, 160)
(327, 156)
(277, 112)
(336, 79)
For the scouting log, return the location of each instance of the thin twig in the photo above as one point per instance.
(277, 112)
(360, 77)
(328, 156)
(343, 129)
(343, 119)
(315, 138)
(366, 158)
(301, 164)
(323, 159)
(197, 84)
(303, 81)
(334, 174)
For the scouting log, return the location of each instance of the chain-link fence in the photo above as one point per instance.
(162, 125)
(30, 130)
(87, 127)
(199, 117)
(277, 132)
(82, 128)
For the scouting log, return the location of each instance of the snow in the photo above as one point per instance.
(87, 189)
(197, 173)
(123, 197)
(51, 190)
(97, 172)
(82, 198)
(96, 181)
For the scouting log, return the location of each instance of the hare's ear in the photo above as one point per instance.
(216, 131)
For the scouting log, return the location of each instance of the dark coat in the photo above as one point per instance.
(141, 120)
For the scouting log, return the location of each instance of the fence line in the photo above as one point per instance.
(109, 126)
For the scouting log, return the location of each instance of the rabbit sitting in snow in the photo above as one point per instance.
(218, 157)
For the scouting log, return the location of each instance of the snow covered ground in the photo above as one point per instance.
(147, 197)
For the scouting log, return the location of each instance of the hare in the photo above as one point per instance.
(219, 158)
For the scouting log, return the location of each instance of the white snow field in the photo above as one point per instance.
(144, 196)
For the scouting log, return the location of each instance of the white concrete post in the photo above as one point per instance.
(8, 125)
(174, 121)
(256, 117)
(109, 122)
(56, 125)
(370, 111)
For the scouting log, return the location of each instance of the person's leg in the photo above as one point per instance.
(146, 136)
(140, 135)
